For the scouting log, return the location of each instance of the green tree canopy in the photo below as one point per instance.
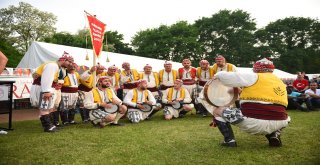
(23, 24)
(294, 43)
(229, 33)
(174, 42)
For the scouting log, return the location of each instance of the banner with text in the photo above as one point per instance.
(97, 33)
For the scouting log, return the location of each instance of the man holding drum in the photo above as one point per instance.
(177, 100)
(263, 102)
(140, 102)
(105, 107)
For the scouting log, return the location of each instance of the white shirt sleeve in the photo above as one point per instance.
(47, 77)
(151, 98)
(85, 75)
(237, 79)
(165, 96)
(187, 98)
(128, 98)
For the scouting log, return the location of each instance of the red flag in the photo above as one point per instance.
(97, 33)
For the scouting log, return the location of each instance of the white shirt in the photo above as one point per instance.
(237, 79)
(89, 99)
(312, 92)
(186, 75)
(141, 98)
(205, 75)
(167, 78)
(225, 68)
(151, 80)
(47, 77)
(175, 95)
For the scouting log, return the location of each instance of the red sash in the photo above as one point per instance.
(264, 111)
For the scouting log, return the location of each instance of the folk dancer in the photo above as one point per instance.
(167, 76)
(176, 94)
(128, 78)
(188, 75)
(69, 95)
(152, 79)
(204, 74)
(263, 102)
(45, 92)
(101, 102)
(136, 99)
(86, 85)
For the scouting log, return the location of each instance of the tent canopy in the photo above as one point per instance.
(40, 52)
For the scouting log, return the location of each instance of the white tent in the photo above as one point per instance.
(40, 52)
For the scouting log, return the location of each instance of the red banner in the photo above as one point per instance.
(97, 33)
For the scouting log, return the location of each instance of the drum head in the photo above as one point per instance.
(113, 109)
(217, 94)
(147, 107)
(177, 105)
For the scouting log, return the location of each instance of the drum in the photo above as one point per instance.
(177, 105)
(217, 94)
(114, 108)
(147, 107)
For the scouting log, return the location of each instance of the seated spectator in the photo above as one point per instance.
(296, 99)
(300, 84)
(314, 95)
(305, 76)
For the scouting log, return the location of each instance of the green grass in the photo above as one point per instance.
(187, 140)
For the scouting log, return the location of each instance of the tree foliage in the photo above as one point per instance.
(294, 42)
(174, 42)
(23, 24)
(229, 33)
(82, 39)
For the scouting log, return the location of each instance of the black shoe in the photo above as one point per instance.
(231, 143)
(118, 124)
(274, 139)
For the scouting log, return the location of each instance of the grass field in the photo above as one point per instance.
(188, 140)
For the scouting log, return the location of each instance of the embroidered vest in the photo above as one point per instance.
(199, 70)
(193, 72)
(268, 88)
(170, 93)
(155, 74)
(98, 99)
(174, 75)
(134, 73)
(215, 68)
(135, 95)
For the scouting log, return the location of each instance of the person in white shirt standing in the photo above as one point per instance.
(48, 80)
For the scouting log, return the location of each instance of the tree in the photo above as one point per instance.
(23, 24)
(82, 39)
(294, 42)
(229, 33)
(12, 54)
(174, 42)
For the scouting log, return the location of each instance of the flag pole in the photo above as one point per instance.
(94, 26)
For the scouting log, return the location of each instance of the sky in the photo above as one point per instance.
(131, 16)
